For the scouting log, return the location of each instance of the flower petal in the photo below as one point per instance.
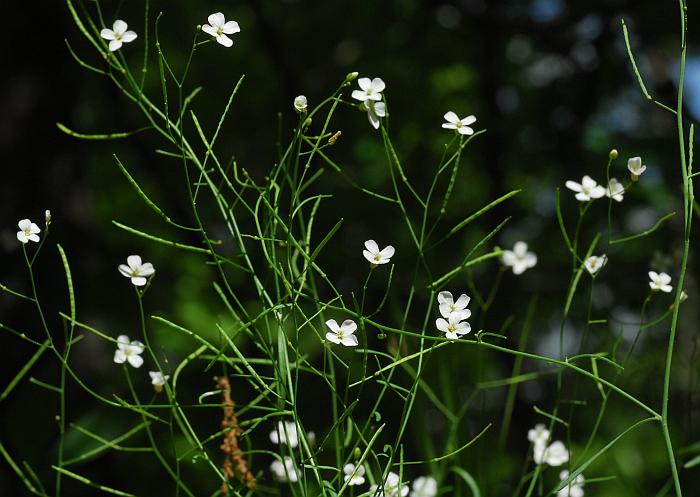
(445, 298)
(119, 27)
(138, 280)
(441, 324)
(365, 83)
(372, 246)
(210, 30)
(350, 341)
(451, 117)
(348, 326)
(469, 120)
(387, 252)
(147, 269)
(125, 270)
(119, 356)
(462, 301)
(231, 27)
(135, 360)
(572, 185)
(129, 36)
(217, 19)
(224, 40)
(332, 337)
(134, 261)
(123, 342)
(333, 325)
(107, 34)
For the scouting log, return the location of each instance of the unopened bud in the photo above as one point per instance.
(613, 154)
(300, 104)
(307, 123)
(47, 217)
(351, 76)
(334, 138)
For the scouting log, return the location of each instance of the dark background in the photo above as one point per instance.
(549, 79)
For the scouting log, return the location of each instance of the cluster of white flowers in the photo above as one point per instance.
(218, 27)
(454, 315)
(286, 433)
(554, 454)
(519, 258)
(589, 189)
(354, 475)
(130, 351)
(460, 125)
(370, 94)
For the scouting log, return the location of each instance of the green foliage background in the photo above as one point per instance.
(549, 80)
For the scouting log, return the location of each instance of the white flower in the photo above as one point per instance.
(660, 281)
(587, 190)
(595, 263)
(117, 35)
(27, 231)
(300, 104)
(375, 110)
(615, 190)
(449, 307)
(137, 271)
(158, 380)
(453, 327)
(461, 125)
(128, 351)
(47, 217)
(392, 487)
(285, 471)
(424, 486)
(286, 433)
(342, 334)
(573, 489)
(539, 434)
(371, 89)
(554, 455)
(635, 167)
(376, 256)
(219, 28)
(354, 475)
(519, 258)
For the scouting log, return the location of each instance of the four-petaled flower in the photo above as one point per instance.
(587, 190)
(391, 488)
(371, 89)
(519, 258)
(574, 488)
(660, 281)
(354, 475)
(453, 327)
(595, 263)
(158, 380)
(300, 104)
(343, 334)
(285, 471)
(615, 190)
(461, 125)
(539, 434)
(117, 35)
(286, 433)
(375, 110)
(136, 270)
(555, 454)
(129, 351)
(449, 307)
(219, 28)
(376, 256)
(27, 231)
(424, 486)
(635, 167)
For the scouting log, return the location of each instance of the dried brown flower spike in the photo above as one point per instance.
(229, 445)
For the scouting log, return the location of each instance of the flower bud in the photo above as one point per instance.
(300, 104)
(613, 154)
(351, 76)
(47, 217)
